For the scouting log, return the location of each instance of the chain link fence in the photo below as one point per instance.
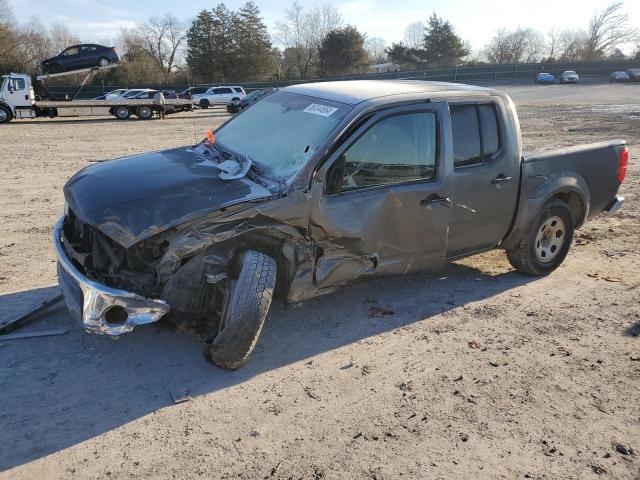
(460, 74)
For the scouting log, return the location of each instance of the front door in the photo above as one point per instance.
(17, 92)
(378, 203)
(485, 176)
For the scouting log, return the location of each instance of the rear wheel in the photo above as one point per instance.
(144, 112)
(103, 62)
(246, 306)
(5, 115)
(122, 113)
(546, 244)
(204, 103)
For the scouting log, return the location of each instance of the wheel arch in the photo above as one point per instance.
(568, 186)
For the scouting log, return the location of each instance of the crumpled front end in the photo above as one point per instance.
(102, 309)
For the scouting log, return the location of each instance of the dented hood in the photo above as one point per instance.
(133, 198)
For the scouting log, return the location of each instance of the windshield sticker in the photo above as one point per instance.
(317, 109)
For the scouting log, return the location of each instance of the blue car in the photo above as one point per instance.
(545, 78)
(78, 57)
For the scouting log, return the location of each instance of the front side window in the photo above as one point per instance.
(71, 51)
(281, 133)
(397, 149)
(18, 84)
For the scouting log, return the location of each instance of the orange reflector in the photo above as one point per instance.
(211, 137)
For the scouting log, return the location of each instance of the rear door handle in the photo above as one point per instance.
(500, 179)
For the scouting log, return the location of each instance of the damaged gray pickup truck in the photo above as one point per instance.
(311, 188)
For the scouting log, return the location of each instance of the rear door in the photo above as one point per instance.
(88, 56)
(377, 202)
(485, 176)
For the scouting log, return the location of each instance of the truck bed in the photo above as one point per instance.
(585, 176)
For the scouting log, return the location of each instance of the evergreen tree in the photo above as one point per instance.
(442, 47)
(343, 52)
(254, 46)
(200, 48)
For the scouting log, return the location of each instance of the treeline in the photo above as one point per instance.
(224, 45)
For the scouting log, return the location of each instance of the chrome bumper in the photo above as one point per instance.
(615, 205)
(91, 301)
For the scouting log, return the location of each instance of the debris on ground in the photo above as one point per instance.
(475, 344)
(8, 325)
(380, 312)
(180, 396)
(43, 333)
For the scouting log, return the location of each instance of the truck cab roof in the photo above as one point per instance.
(354, 92)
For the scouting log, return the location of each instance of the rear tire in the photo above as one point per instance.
(555, 226)
(122, 113)
(144, 112)
(246, 307)
(5, 115)
(103, 62)
(204, 104)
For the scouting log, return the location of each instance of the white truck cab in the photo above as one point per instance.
(17, 98)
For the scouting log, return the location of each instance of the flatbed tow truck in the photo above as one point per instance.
(24, 96)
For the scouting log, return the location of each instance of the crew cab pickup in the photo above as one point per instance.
(312, 188)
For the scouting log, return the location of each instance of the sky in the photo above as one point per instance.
(474, 21)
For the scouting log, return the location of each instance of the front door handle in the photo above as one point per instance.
(500, 179)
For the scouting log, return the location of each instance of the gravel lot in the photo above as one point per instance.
(481, 372)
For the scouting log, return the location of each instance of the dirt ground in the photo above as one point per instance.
(480, 372)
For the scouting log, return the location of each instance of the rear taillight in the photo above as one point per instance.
(622, 167)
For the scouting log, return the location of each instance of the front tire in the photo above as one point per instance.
(5, 115)
(546, 244)
(246, 307)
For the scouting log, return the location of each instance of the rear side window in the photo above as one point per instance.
(476, 134)
(219, 91)
(489, 129)
(466, 135)
(397, 149)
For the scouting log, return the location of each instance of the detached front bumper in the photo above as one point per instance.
(102, 309)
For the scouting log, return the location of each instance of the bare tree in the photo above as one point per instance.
(301, 34)
(414, 35)
(523, 45)
(375, 47)
(572, 45)
(553, 43)
(608, 29)
(61, 37)
(162, 38)
(294, 36)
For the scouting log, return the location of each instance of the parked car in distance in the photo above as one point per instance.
(634, 74)
(569, 76)
(112, 95)
(619, 77)
(544, 78)
(299, 195)
(238, 105)
(81, 56)
(218, 96)
(187, 93)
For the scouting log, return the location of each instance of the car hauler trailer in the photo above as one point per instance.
(18, 99)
